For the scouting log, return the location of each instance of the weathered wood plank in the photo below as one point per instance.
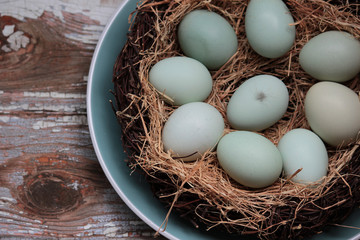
(49, 38)
(51, 185)
(31, 122)
(61, 195)
(49, 61)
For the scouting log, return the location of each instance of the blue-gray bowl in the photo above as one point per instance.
(106, 137)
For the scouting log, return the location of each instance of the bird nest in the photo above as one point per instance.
(201, 191)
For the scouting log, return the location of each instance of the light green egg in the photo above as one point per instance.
(258, 103)
(207, 37)
(331, 56)
(249, 158)
(303, 149)
(181, 80)
(269, 27)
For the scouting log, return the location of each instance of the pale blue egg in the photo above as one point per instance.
(258, 103)
(303, 149)
(269, 27)
(207, 37)
(181, 80)
(249, 158)
(192, 129)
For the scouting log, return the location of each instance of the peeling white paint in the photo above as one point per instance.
(43, 124)
(72, 120)
(18, 40)
(67, 95)
(61, 121)
(1, 92)
(5, 48)
(54, 95)
(64, 149)
(13, 106)
(109, 224)
(5, 214)
(56, 130)
(96, 9)
(36, 94)
(8, 30)
(4, 119)
(111, 231)
(88, 226)
(41, 107)
(75, 185)
(7, 199)
(124, 235)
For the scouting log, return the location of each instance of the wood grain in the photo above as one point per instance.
(51, 184)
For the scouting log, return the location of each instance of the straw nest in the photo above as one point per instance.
(201, 191)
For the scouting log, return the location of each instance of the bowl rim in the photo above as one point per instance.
(113, 183)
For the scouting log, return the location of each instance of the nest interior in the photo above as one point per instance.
(201, 191)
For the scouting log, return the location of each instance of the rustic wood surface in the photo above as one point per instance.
(51, 184)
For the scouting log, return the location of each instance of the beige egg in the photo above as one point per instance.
(333, 112)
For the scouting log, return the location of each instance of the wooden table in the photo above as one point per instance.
(51, 184)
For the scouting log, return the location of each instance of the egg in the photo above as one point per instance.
(258, 103)
(191, 130)
(181, 80)
(207, 37)
(303, 149)
(269, 27)
(332, 56)
(249, 158)
(333, 112)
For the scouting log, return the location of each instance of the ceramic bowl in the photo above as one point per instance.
(106, 138)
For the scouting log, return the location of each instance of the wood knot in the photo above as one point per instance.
(50, 194)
